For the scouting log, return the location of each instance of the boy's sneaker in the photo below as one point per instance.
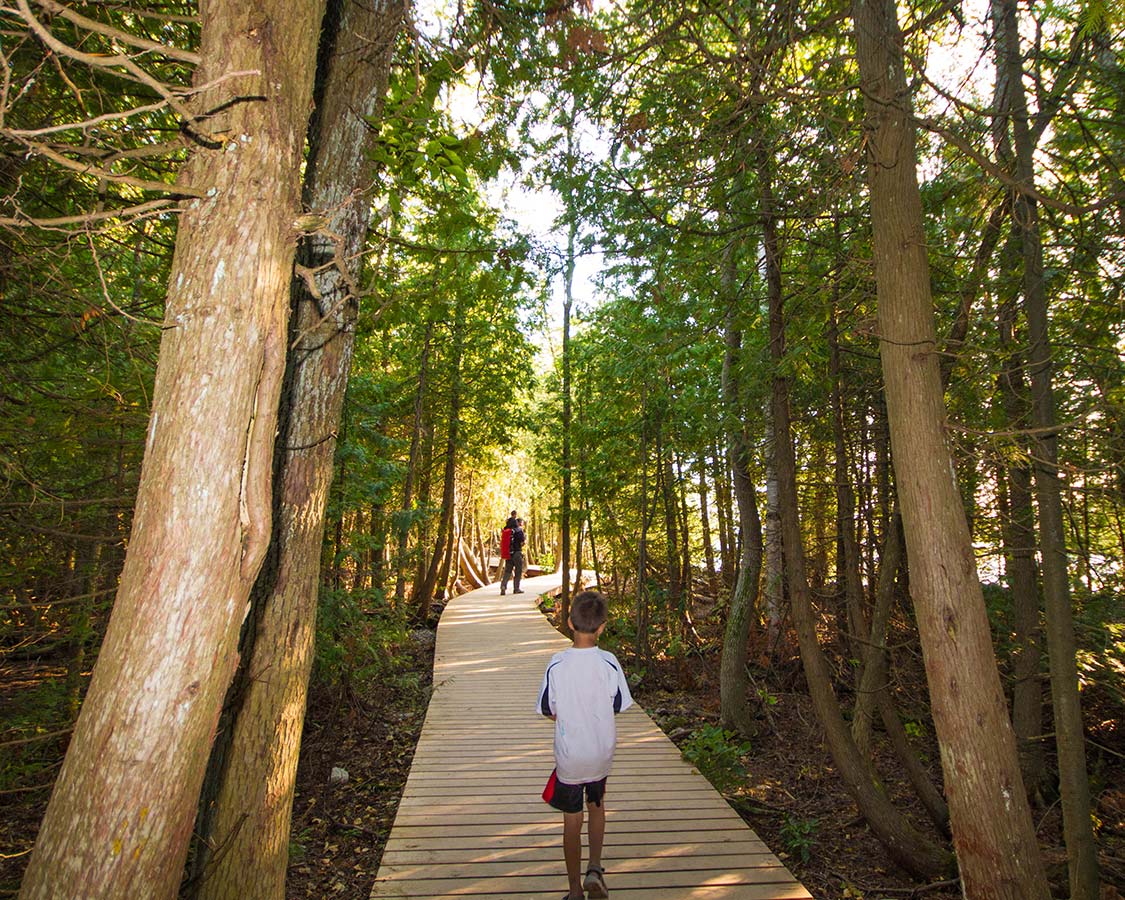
(595, 883)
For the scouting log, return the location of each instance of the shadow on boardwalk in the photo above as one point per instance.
(471, 822)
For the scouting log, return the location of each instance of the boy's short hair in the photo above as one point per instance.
(588, 611)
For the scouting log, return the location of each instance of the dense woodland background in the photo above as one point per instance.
(723, 427)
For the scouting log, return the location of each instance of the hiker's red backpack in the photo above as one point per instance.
(506, 543)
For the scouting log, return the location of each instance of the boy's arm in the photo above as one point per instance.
(622, 699)
(544, 705)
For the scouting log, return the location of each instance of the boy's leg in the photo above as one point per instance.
(596, 832)
(572, 851)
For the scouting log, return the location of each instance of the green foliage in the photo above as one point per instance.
(798, 836)
(39, 710)
(717, 753)
(359, 639)
(1100, 629)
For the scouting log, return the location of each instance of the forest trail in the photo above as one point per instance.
(472, 824)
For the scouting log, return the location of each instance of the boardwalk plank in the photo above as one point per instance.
(471, 822)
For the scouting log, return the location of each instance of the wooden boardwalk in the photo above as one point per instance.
(472, 824)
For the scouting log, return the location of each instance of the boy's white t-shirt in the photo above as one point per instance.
(584, 688)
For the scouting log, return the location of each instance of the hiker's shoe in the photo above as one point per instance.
(595, 883)
(502, 592)
(517, 591)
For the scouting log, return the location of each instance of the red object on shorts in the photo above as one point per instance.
(549, 790)
(506, 543)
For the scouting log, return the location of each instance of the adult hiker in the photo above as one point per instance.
(512, 541)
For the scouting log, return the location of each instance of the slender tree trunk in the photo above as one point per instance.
(719, 469)
(1074, 785)
(705, 525)
(1018, 534)
(909, 848)
(120, 817)
(851, 561)
(773, 589)
(734, 703)
(377, 533)
(358, 555)
(644, 649)
(404, 517)
(445, 582)
(568, 303)
(874, 671)
(425, 592)
(593, 546)
(990, 819)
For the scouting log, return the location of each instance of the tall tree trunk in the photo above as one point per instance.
(719, 469)
(402, 527)
(1074, 784)
(644, 649)
(255, 761)
(424, 593)
(705, 524)
(903, 842)
(445, 582)
(846, 529)
(568, 303)
(773, 587)
(734, 704)
(377, 534)
(671, 517)
(358, 555)
(685, 550)
(120, 817)
(1017, 516)
(990, 818)
(593, 546)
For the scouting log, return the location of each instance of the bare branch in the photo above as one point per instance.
(110, 62)
(83, 168)
(87, 218)
(109, 117)
(118, 35)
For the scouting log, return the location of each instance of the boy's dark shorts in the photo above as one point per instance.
(568, 797)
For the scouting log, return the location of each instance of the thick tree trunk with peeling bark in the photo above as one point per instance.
(989, 815)
(121, 814)
(258, 770)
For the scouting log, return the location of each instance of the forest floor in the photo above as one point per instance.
(789, 795)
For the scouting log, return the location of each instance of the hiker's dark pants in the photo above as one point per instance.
(513, 568)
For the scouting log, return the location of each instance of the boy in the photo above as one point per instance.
(583, 688)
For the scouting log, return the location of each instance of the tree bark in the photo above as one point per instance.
(424, 593)
(734, 702)
(906, 846)
(1074, 784)
(402, 526)
(773, 588)
(705, 524)
(1017, 517)
(120, 818)
(990, 818)
(568, 303)
(257, 772)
